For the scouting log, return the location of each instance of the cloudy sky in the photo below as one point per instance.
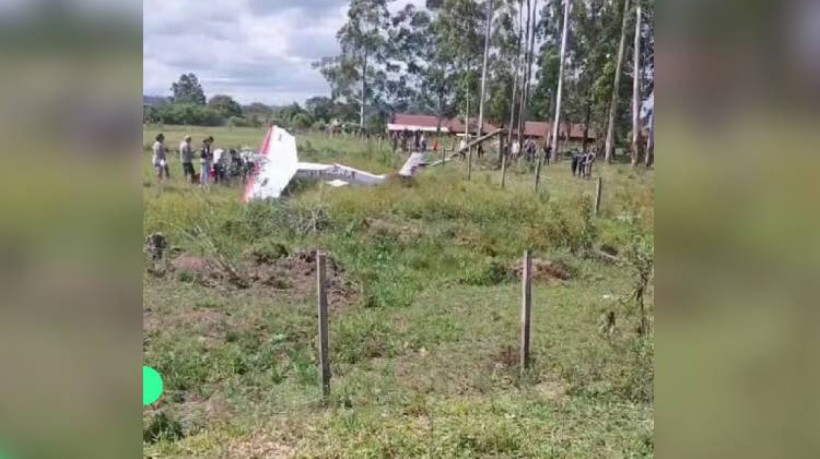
(253, 50)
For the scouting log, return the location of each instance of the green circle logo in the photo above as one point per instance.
(151, 385)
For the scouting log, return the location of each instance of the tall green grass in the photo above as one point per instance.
(421, 360)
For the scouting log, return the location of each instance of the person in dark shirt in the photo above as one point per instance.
(576, 159)
(589, 159)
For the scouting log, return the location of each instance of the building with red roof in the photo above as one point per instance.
(533, 129)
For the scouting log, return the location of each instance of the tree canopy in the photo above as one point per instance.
(188, 90)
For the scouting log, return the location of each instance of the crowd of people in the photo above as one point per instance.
(215, 166)
(529, 150)
(581, 163)
(419, 141)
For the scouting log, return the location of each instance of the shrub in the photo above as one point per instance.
(486, 273)
(268, 251)
(162, 427)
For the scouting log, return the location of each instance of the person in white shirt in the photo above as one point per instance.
(159, 159)
(220, 167)
(186, 157)
(516, 148)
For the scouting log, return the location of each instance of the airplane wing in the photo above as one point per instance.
(341, 173)
(338, 172)
(278, 163)
(412, 164)
(277, 166)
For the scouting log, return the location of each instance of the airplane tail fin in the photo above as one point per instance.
(412, 164)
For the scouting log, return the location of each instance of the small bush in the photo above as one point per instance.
(570, 226)
(267, 252)
(362, 338)
(185, 275)
(162, 428)
(486, 273)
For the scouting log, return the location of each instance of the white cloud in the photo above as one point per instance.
(250, 49)
(253, 50)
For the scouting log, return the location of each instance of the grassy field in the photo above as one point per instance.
(425, 307)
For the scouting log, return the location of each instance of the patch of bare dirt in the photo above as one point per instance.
(200, 267)
(291, 275)
(546, 270)
(296, 275)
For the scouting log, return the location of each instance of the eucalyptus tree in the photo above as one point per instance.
(363, 39)
(636, 88)
(613, 107)
(557, 122)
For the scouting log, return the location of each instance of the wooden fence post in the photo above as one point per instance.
(503, 151)
(537, 174)
(321, 287)
(598, 190)
(470, 164)
(503, 169)
(443, 155)
(526, 305)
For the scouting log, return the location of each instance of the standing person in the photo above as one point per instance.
(462, 146)
(422, 143)
(516, 148)
(529, 150)
(405, 135)
(219, 165)
(575, 160)
(394, 139)
(435, 145)
(416, 140)
(206, 158)
(547, 153)
(186, 157)
(159, 159)
(590, 158)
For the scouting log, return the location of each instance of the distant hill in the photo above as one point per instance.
(153, 101)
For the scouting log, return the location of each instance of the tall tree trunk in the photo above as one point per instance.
(613, 107)
(512, 107)
(522, 106)
(364, 94)
(516, 76)
(636, 90)
(650, 141)
(467, 94)
(531, 53)
(439, 111)
(560, 90)
(587, 120)
(484, 69)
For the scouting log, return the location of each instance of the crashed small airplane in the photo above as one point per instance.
(278, 164)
